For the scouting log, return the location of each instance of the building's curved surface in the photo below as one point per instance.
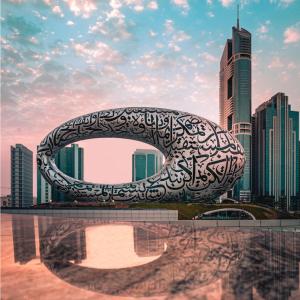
(202, 160)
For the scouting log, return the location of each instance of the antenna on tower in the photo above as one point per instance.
(238, 17)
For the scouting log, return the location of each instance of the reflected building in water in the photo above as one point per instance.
(270, 268)
(74, 243)
(249, 264)
(147, 242)
(23, 238)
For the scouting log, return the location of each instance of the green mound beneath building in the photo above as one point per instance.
(186, 211)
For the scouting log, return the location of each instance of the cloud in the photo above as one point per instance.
(275, 63)
(138, 8)
(188, 61)
(155, 61)
(175, 36)
(202, 80)
(152, 5)
(33, 40)
(210, 43)
(208, 57)
(113, 26)
(152, 33)
(263, 30)
(136, 5)
(169, 26)
(82, 8)
(97, 53)
(292, 34)
(182, 4)
(283, 3)
(226, 3)
(98, 27)
(39, 15)
(174, 47)
(115, 4)
(180, 36)
(57, 10)
(292, 66)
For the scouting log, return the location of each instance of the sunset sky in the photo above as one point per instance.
(61, 59)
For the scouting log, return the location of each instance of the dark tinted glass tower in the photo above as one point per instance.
(145, 163)
(276, 174)
(235, 100)
(21, 176)
(43, 189)
(70, 161)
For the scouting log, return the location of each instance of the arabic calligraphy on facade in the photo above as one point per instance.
(202, 160)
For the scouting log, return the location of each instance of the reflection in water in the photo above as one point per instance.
(273, 258)
(147, 242)
(112, 246)
(74, 246)
(178, 261)
(23, 239)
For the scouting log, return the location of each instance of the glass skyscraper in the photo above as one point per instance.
(235, 100)
(69, 160)
(21, 176)
(44, 190)
(145, 163)
(275, 164)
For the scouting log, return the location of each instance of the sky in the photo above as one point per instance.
(62, 59)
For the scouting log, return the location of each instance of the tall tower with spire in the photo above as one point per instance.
(235, 99)
(238, 17)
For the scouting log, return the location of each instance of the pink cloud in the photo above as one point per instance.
(183, 4)
(82, 8)
(208, 57)
(152, 5)
(226, 3)
(291, 35)
(99, 52)
(57, 10)
(275, 63)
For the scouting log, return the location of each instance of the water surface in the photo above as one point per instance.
(65, 258)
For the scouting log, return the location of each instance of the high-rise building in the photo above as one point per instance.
(69, 160)
(44, 190)
(5, 201)
(235, 100)
(145, 163)
(276, 152)
(21, 176)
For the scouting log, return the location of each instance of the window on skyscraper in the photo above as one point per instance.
(229, 88)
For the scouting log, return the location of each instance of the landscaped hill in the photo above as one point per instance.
(188, 211)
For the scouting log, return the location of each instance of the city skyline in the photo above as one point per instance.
(173, 47)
